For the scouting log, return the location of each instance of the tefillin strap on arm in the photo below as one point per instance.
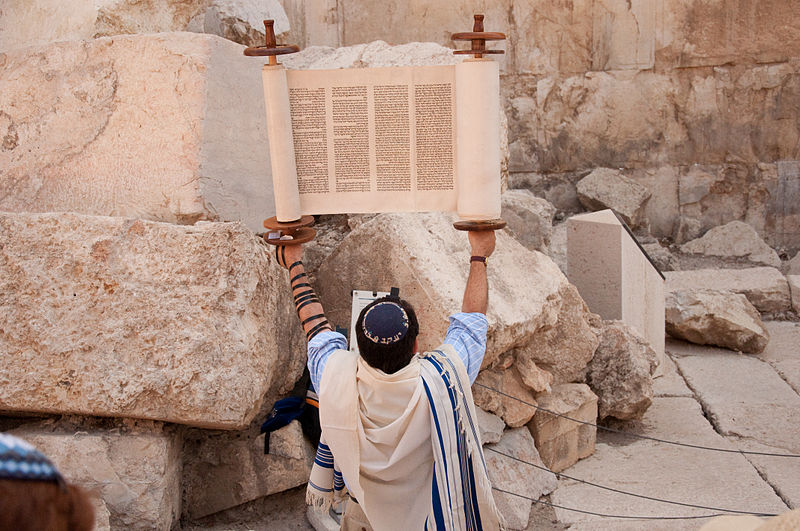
(303, 299)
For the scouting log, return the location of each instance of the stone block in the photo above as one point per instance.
(129, 318)
(765, 287)
(223, 470)
(734, 240)
(513, 411)
(614, 277)
(794, 286)
(606, 188)
(529, 218)
(561, 441)
(138, 126)
(36, 22)
(423, 256)
(721, 318)
(491, 426)
(624, 34)
(508, 473)
(794, 265)
(621, 372)
(135, 468)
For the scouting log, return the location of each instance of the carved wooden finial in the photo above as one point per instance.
(270, 49)
(478, 37)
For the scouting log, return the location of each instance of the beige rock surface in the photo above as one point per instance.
(36, 22)
(606, 188)
(621, 372)
(138, 126)
(509, 474)
(782, 352)
(561, 442)
(794, 287)
(102, 516)
(534, 377)
(514, 403)
(721, 318)
(529, 218)
(491, 426)
(794, 265)
(223, 470)
(734, 240)
(128, 318)
(765, 287)
(428, 260)
(134, 468)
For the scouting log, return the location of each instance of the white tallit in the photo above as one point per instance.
(392, 434)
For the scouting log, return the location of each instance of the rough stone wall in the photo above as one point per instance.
(699, 100)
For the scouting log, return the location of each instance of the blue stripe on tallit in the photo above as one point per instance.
(438, 428)
(438, 515)
(471, 507)
(318, 487)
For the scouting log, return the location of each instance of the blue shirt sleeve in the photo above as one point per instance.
(320, 349)
(467, 334)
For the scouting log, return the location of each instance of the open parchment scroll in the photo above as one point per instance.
(385, 139)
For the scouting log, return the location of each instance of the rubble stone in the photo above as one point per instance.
(509, 474)
(529, 218)
(491, 426)
(534, 377)
(794, 265)
(561, 442)
(423, 256)
(129, 318)
(136, 125)
(721, 318)
(223, 470)
(240, 21)
(607, 188)
(765, 287)
(135, 469)
(513, 411)
(734, 240)
(621, 372)
(794, 286)
(662, 257)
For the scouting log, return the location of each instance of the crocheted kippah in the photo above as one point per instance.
(20, 460)
(385, 323)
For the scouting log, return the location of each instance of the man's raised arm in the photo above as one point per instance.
(476, 294)
(309, 309)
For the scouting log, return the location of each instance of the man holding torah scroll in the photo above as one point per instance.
(399, 427)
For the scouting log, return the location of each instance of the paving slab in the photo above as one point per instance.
(687, 475)
(743, 396)
(783, 350)
(670, 383)
(782, 473)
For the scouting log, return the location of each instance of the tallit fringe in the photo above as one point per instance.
(319, 501)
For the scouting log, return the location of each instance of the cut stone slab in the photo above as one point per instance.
(135, 468)
(428, 261)
(782, 352)
(736, 239)
(621, 372)
(529, 218)
(561, 442)
(136, 125)
(607, 188)
(765, 287)
(512, 476)
(711, 317)
(223, 470)
(743, 396)
(670, 383)
(614, 277)
(727, 479)
(129, 318)
(782, 473)
(491, 426)
(794, 286)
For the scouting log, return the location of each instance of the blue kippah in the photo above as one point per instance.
(20, 460)
(385, 323)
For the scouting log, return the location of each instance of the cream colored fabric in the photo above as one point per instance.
(379, 428)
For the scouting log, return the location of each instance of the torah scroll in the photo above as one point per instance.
(385, 139)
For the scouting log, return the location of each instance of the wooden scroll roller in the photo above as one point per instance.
(478, 38)
(281, 232)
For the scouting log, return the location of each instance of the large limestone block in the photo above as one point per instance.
(721, 318)
(223, 470)
(606, 188)
(614, 276)
(135, 469)
(167, 127)
(734, 240)
(529, 218)
(36, 22)
(794, 265)
(503, 393)
(506, 472)
(562, 441)
(621, 372)
(128, 318)
(429, 261)
(765, 287)
(794, 286)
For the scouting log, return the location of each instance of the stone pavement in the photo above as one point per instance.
(711, 397)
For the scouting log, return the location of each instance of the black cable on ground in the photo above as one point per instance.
(636, 435)
(612, 489)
